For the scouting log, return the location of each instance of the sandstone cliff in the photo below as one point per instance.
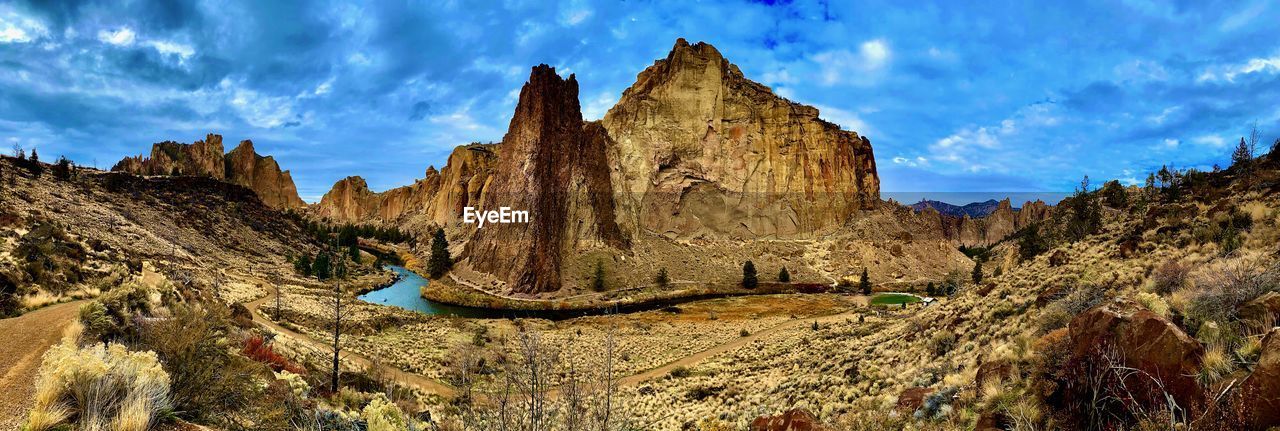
(703, 151)
(437, 199)
(554, 166)
(986, 231)
(242, 166)
(691, 169)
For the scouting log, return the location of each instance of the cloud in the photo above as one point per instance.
(1169, 143)
(1229, 73)
(843, 66)
(1210, 140)
(123, 36)
(19, 28)
(172, 48)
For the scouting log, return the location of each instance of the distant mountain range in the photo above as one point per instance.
(973, 209)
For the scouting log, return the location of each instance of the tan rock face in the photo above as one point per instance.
(437, 199)
(703, 151)
(985, 231)
(242, 166)
(262, 175)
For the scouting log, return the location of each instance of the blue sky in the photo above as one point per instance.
(1017, 96)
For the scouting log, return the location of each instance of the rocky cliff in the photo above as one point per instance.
(703, 151)
(553, 165)
(204, 158)
(988, 230)
(436, 199)
(693, 151)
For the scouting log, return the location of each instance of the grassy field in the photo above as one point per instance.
(893, 299)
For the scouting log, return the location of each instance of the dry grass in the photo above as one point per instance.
(1216, 364)
(99, 388)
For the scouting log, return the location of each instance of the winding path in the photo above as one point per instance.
(24, 340)
(432, 386)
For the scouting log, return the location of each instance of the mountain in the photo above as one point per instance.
(242, 166)
(692, 151)
(972, 209)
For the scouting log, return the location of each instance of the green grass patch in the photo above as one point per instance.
(893, 299)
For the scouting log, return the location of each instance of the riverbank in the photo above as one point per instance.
(450, 291)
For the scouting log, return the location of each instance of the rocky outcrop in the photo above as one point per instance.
(1261, 311)
(1135, 337)
(1003, 221)
(436, 199)
(201, 159)
(692, 151)
(553, 165)
(242, 166)
(261, 174)
(791, 420)
(1262, 387)
(702, 151)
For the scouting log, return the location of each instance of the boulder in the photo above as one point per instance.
(1138, 338)
(1263, 385)
(911, 399)
(791, 420)
(1262, 311)
(998, 369)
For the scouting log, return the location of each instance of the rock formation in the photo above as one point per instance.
(261, 174)
(242, 166)
(693, 151)
(791, 420)
(554, 166)
(437, 199)
(1264, 383)
(988, 230)
(703, 151)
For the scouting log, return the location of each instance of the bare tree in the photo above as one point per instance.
(338, 314)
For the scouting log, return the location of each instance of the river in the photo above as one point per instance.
(406, 293)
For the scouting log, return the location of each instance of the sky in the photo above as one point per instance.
(991, 99)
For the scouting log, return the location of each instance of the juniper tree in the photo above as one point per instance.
(784, 276)
(597, 279)
(662, 280)
(864, 282)
(977, 272)
(749, 279)
(440, 261)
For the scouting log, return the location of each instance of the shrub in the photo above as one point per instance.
(99, 387)
(749, 279)
(1215, 365)
(1154, 303)
(1170, 276)
(680, 372)
(383, 415)
(784, 276)
(942, 342)
(257, 348)
(662, 280)
(210, 382)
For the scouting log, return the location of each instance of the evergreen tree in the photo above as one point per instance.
(354, 252)
(440, 261)
(1084, 215)
(303, 265)
(1031, 243)
(320, 268)
(864, 282)
(63, 168)
(977, 272)
(33, 164)
(1242, 157)
(784, 276)
(662, 280)
(749, 279)
(931, 290)
(597, 279)
(1114, 195)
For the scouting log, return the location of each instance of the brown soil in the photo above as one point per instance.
(25, 339)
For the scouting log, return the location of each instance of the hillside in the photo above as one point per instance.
(242, 166)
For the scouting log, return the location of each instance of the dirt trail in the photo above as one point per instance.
(23, 341)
